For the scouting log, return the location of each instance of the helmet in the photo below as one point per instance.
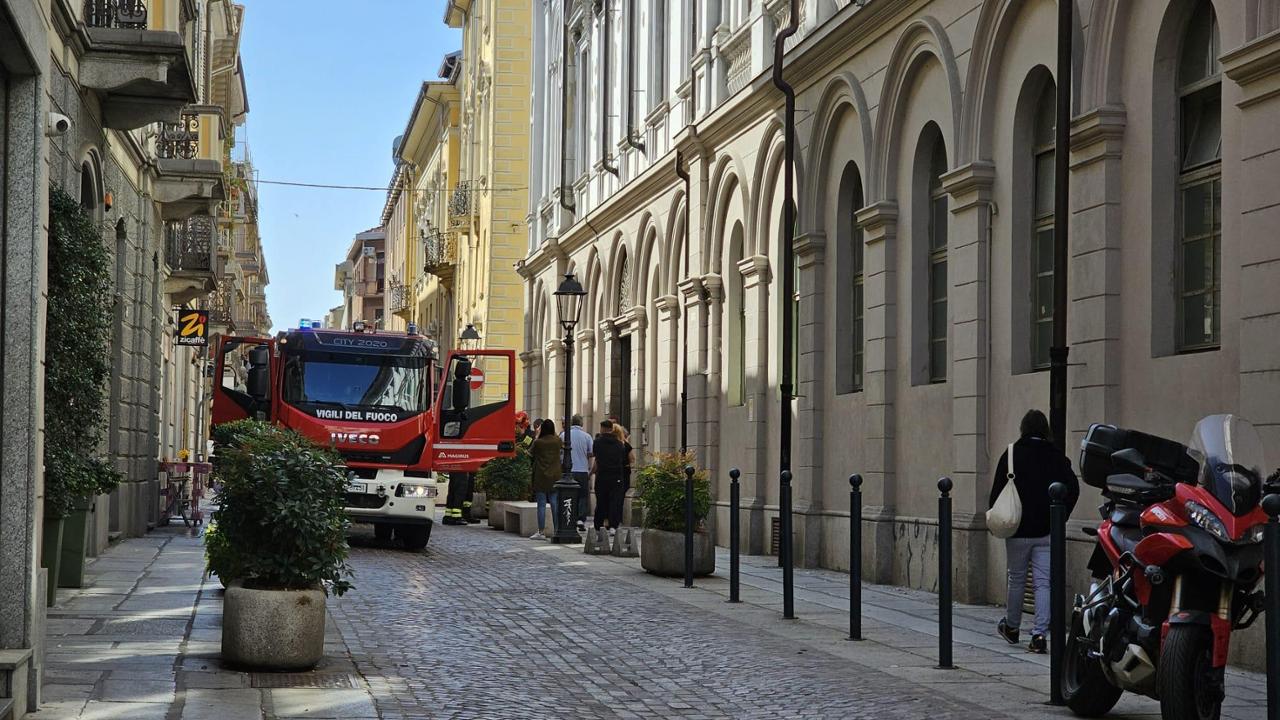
(522, 418)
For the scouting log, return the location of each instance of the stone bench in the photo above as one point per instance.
(520, 517)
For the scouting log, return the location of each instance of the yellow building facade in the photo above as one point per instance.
(456, 205)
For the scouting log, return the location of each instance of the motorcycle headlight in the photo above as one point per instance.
(1207, 521)
(417, 491)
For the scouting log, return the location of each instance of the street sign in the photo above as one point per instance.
(193, 327)
(476, 378)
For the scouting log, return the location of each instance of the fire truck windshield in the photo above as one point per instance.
(367, 388)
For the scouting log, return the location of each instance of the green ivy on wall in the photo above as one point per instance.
(77, 358)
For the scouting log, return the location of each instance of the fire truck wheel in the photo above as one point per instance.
(382, 532)
(414, 537)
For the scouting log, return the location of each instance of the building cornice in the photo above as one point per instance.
(1255, 67)
(969, 185)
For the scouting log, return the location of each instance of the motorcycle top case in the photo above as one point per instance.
(1166, 456)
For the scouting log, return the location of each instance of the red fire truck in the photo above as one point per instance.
(383, 400)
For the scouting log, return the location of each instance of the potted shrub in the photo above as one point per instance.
(77, 365)
(502, 480)
(280, 544)
(660, 491)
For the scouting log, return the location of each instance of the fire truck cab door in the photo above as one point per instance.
(242, 379)
(475, 411)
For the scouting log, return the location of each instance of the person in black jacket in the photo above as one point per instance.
(1037, 464)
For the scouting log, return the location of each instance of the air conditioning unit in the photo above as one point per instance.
(369, 251)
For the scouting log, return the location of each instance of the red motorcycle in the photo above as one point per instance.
(1178, 558)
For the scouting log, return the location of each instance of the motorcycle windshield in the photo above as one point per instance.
(1231, 459)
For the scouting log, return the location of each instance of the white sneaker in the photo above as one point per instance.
(538, 536)
(612, 533)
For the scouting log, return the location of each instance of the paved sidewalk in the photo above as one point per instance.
(900, 634)
(141, 641)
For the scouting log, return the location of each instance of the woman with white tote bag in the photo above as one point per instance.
(1020, 514)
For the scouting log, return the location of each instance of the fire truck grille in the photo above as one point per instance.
(365, 501)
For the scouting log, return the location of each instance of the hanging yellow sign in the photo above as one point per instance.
(193, 327)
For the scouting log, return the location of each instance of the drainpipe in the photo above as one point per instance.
(683, 174)
(566, 201)
(788, 292)
(606, 83)
(631, 77)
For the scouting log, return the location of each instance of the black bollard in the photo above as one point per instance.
(688, 526)
(1271, 561)
(1057, 588)
(944, 573)
(734, 501)
(788, 583)
(855, 557)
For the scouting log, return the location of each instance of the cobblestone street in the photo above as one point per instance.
(489, 625)
(486, 624)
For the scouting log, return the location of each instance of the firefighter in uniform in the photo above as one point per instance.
(458, 499)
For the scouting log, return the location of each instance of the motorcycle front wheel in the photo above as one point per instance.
(1188, 683)
(1085, 688)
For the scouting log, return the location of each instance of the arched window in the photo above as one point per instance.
(849, 283)
(624, 285)
(1041, 236)
(1199, 249)
(930, 217)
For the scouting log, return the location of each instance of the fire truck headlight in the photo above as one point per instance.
(417, 491)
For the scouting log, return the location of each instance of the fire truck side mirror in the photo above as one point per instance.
(462, 385)
(259, 380)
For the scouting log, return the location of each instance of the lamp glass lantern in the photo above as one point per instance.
(569, 301)
(469, 337)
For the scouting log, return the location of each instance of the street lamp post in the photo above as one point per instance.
(568, 307)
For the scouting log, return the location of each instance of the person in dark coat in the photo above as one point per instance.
(610, 459)
(546, 453)
(1037, 464)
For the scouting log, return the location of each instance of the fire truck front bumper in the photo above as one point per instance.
(392, 498)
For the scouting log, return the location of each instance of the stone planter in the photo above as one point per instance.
(51, 557)
(75, 536)
(662, 553)
(479, 506)
(272, 629)
(497, 515)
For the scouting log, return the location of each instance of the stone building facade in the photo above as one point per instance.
(923, 163)
(130, 107)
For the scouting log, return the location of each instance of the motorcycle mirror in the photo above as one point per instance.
(1131, 460)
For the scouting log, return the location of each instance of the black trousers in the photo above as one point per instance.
(610, 492)
(584, 494)
(459, 492)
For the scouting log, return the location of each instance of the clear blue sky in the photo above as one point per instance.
(330, 86)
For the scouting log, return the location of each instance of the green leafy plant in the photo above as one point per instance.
(660, 490)
(77, 358)
(281, 522)
(506, 478)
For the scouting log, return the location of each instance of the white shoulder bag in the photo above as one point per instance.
(1005, 516)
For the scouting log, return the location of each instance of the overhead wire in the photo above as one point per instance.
(327, 186)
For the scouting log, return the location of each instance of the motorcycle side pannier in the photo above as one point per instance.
(1165, 456)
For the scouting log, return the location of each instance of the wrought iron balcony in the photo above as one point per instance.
(460, 205)
(180, 140)
(189, 244)
(128, 14)
(438, 250)
(221, 303)
(399, 296)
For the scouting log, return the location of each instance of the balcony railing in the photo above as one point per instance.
(131, 14)
(460, 205)
(399, 297)
(437, 250)
(189, 244)
(180, 140)
(221, 302)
